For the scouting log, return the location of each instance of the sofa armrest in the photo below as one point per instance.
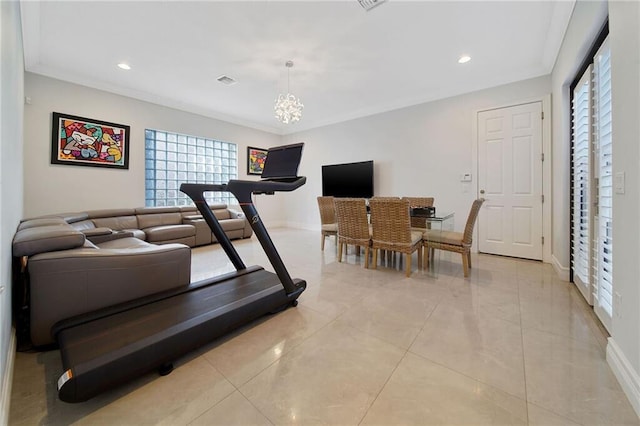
(101, 235)
(236, 214)
(247, 232)
(96, 231)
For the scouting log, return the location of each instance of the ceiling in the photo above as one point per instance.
(349, 62)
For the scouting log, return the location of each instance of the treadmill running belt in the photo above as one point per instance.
(144, 338)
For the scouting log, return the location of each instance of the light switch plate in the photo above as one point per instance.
(618, 183)
(465, 177)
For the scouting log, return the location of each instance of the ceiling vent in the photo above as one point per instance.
(226, 80)
(370, 4)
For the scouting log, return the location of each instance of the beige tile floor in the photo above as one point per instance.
(511, 345)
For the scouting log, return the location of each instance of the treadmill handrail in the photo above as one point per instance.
(242, 190)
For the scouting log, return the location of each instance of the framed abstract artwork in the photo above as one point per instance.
(255, 160)
(79, 141)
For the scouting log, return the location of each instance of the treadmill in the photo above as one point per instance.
(108, 347)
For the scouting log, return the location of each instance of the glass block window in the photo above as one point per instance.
(172, 159)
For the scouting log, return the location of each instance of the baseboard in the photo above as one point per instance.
(275, 224)
(5, 396)
(305, 226)
(562, 271)
(624, 372)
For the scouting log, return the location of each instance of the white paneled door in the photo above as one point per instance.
(510, 180)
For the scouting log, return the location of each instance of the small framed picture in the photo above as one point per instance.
(255, 160)
(79, 141)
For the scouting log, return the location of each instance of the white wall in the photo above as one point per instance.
(11, 192)
(624, 345)
(59, 188)
(623, 350)
(586, 20)
(417, 151)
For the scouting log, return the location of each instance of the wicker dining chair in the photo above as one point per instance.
(458, 242)
(419, 222)
(353, 226)
(327, 219)
(391, 226)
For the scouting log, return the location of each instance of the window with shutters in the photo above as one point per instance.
(603, 292)
(581, 157)
(592, 181)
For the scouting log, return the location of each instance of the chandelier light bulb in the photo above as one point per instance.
(288, 108)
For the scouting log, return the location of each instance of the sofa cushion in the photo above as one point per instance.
(150, 220)
(125, 244)
(169, 232)
(232, 224)
(117, 223)
(156, 210)
(74, 217)
(222, 214)
(96, 214)
(83, 225)
(44, 221)
(41, 239)
(92, 232)
(187, 209)
(137, 233)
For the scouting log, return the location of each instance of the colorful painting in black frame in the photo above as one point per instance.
(255, 160)
(79, 141)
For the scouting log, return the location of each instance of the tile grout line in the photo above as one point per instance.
(406, 351)
(524, 364)
(237, 388)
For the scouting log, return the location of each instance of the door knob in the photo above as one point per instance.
(482, 191)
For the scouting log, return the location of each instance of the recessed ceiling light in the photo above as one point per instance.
(124, 66)
(464, 59)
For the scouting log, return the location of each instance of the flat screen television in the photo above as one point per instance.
(348, 180)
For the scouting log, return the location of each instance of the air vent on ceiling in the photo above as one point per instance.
(226, 80)
(370, 4)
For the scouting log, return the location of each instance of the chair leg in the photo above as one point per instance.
(366, 257)
(322, 241)
(465, 264)
(408, 255)
(340, 252)
(375, 258)
(420, 257)
(469, 257)
(425, 254)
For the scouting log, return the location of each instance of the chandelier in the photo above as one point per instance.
(288, 108)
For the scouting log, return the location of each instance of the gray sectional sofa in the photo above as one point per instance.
(73, 264)
(160, 225)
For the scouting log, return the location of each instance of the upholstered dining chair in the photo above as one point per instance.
(454, 241)
(353, 226)
(419, 222)
(327, 219)
(391, 230)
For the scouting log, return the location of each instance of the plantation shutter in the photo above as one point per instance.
(603, 292)
(582, 197)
